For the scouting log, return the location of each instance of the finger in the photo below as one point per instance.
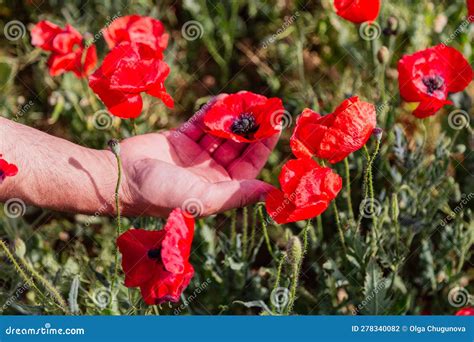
(252, 160)
(210, 143)
(228, 152)
(234, 194)
(194, 127)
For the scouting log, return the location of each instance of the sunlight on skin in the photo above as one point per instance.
(161, 171)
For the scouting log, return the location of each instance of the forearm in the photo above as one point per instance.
(55, 173)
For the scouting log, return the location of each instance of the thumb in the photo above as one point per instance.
(227, 195)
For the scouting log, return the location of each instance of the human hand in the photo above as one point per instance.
(191, 169)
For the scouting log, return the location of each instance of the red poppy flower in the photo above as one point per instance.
(306, 191)
(336, 135)
(6, 169)
(127, 71)
(68, 52)
(465, 312)
(429, 75)
(157, 261)
(470, 10)
(358, 11)
(138, 29)
(244, 117)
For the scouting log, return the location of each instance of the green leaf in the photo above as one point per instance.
(73, 292)
(375, 291)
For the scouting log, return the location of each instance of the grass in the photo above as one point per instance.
(407, 260)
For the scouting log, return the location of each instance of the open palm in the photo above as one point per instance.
(190, 169)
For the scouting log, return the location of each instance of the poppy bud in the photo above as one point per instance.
(392, 26)
(294, 250)
(114, 145)
(383, 55)
(20, 248)
(377, 133)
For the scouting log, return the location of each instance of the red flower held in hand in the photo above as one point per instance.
(306, 191)
(157, 261)
(429, 75)
(137, 29)
(67, 49)
(358, 11)
(6, 169)
(336, 135)
(127, 71)
(244, 117)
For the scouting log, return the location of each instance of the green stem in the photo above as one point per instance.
(339, 227)
(277, 280)
(348, 189)
(119, 221)
(305, 236)
(265, 232)
(233, 227)
(368, 183)
(18, 268)
(253, 231)
(319, 225)
(47, 285)
(134, 126)
(245, 228)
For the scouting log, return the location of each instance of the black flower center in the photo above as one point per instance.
(245, 125)
(433, 83)
(154, 254)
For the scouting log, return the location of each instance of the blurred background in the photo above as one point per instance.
(302, 52)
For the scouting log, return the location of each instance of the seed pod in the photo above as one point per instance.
(377, 133)
(383, 55)
(19, 247)
(392, 26)
(294, 251)
(114, 145)
(395, 210)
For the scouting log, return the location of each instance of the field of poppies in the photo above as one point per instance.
(353, 115)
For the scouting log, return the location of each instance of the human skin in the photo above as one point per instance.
(161, 171)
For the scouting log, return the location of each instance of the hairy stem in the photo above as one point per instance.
(119, 221)
(348, 189)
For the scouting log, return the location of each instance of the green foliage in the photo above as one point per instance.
(404, 262)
